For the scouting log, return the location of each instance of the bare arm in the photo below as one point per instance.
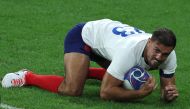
(168, 89)
(111, 89)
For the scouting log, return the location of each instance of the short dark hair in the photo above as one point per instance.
(164, 36)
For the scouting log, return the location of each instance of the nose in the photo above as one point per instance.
(159, 57)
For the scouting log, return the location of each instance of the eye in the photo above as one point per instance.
(165, 54)
(157, 50)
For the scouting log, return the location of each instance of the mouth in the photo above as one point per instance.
(155, 63)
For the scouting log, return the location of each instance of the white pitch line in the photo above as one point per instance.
(6, 106)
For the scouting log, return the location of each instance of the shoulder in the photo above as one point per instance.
(170, 64)
(172, 57)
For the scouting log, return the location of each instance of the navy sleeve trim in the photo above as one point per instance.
(165, 75)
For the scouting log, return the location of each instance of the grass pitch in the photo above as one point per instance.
(32, 34)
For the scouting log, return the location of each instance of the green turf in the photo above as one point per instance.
(32, 34)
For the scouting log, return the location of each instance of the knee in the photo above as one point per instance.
(70, 91)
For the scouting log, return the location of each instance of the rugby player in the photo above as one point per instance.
(116, 47)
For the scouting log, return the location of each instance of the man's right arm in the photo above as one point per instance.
(111, 89)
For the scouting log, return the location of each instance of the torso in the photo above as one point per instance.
(120, 43)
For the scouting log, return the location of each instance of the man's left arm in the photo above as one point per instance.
(168, 88)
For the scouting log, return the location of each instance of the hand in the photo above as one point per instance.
(170, 93)
(148, 87)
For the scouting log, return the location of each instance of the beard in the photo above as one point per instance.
(154, 63)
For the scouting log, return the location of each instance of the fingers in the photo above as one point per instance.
(171, 92)
(149, 85)
(170, 87)
(149, 80)
(152, 82)
(171, 97)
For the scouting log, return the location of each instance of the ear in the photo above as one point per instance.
(149, 41)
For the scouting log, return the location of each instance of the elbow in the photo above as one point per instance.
(104, 94)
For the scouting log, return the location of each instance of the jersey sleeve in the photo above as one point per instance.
(169, 66)
(122, 61)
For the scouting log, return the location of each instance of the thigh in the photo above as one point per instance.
(76, 62)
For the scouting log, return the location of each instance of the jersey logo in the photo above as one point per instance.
(126, 31)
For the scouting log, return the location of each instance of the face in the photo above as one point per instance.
(156, 53)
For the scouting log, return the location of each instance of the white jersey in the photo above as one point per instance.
(122, 44)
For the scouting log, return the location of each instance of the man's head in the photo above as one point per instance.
(159, 46)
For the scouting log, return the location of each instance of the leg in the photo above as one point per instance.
(26, 77)
(76, 69)
(76, 60)
(98, 73)
(46, 82)
(76, 65)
